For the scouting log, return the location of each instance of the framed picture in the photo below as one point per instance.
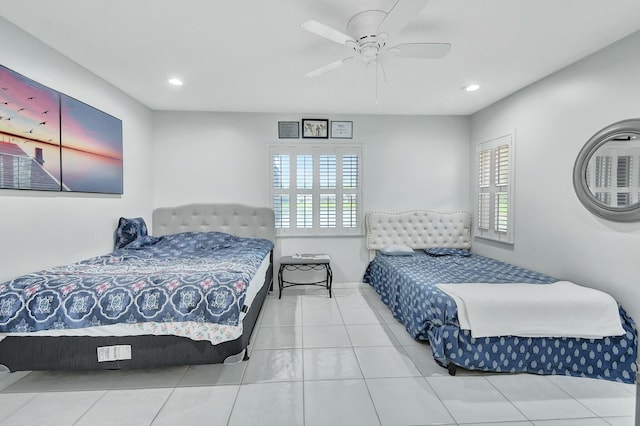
(288, 129)
(30, 132)
(315, 128)
(91, 158)
(342, 129)
(52, 142)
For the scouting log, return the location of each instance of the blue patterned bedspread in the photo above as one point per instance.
(192, 276)
(407, 284)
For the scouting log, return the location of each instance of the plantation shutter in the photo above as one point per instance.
(494, 189)
(325, 198)
(328, 186)
(484, 182)
(502, 160)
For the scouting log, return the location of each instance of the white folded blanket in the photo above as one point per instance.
(560, 309)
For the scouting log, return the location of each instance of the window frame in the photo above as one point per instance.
(493, 189)
(317, 150)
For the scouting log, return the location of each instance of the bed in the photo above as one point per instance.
(412, 287)
(196, 287)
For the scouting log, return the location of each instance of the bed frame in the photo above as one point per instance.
(80, 353)
(420, 229)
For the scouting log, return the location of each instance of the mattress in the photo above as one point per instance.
(214, 333)
(195, 285)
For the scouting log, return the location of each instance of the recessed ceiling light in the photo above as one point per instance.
(175, 82)
(471, 87)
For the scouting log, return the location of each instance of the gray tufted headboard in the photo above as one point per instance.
(418, 229)
(236, 219)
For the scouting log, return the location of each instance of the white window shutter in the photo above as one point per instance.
(495, 168)
(325, 197)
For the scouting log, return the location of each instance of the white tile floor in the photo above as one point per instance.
(315, 361)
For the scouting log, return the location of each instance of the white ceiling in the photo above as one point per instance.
(252, 55)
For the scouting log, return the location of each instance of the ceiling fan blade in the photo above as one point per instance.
(327, 32)
(421, 50)
(329, 67)
(400, 14)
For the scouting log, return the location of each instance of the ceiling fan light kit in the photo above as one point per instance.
(368, 33)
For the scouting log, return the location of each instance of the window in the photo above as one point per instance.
(494, 191)
(317, 189)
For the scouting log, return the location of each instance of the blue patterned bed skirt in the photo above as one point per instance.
(407, 285)
(192, 276)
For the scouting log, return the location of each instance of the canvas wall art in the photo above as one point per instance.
(52, 142)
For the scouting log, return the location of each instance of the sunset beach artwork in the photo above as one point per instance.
(91, 149)
(52, 142)
(29, 134)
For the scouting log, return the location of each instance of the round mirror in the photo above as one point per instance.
(606, 175)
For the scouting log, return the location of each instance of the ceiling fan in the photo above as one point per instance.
(368, 34)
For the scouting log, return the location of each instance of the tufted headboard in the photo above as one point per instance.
(236, 219)
(418, 229)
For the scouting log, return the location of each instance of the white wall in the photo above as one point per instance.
(554, 118)
(410, 162)
(42, 229)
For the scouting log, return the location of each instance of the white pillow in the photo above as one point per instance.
(397, 250)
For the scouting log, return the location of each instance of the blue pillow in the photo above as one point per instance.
(397, 250)
(444, 251)
(129, 230)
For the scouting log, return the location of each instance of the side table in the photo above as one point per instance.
(305, 262)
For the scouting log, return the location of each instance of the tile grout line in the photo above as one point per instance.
(440, 399)
(510, 401)
(257, 327)
(91, 407)
(20, 407)
(184, 373)
(574, 398)
(235, 399)
(360, 367)
(304, 419)
(163, 405)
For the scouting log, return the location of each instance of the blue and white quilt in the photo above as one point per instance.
(198, 277)
(407, 284)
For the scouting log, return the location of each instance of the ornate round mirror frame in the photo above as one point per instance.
(629, 213)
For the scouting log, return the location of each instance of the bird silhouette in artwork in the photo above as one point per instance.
(31, 97)
(42, 123)
(5, 88)
(6, 103)
(44, 112)
(21, 109)
(30, 131)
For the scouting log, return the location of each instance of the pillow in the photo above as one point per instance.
(445, 251)
(129, 230)
(397, 250)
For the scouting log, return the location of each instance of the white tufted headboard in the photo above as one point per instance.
(418, 229)
(236, 219)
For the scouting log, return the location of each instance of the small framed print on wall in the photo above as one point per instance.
(342, 129)
(288, 129)
(315, 128)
